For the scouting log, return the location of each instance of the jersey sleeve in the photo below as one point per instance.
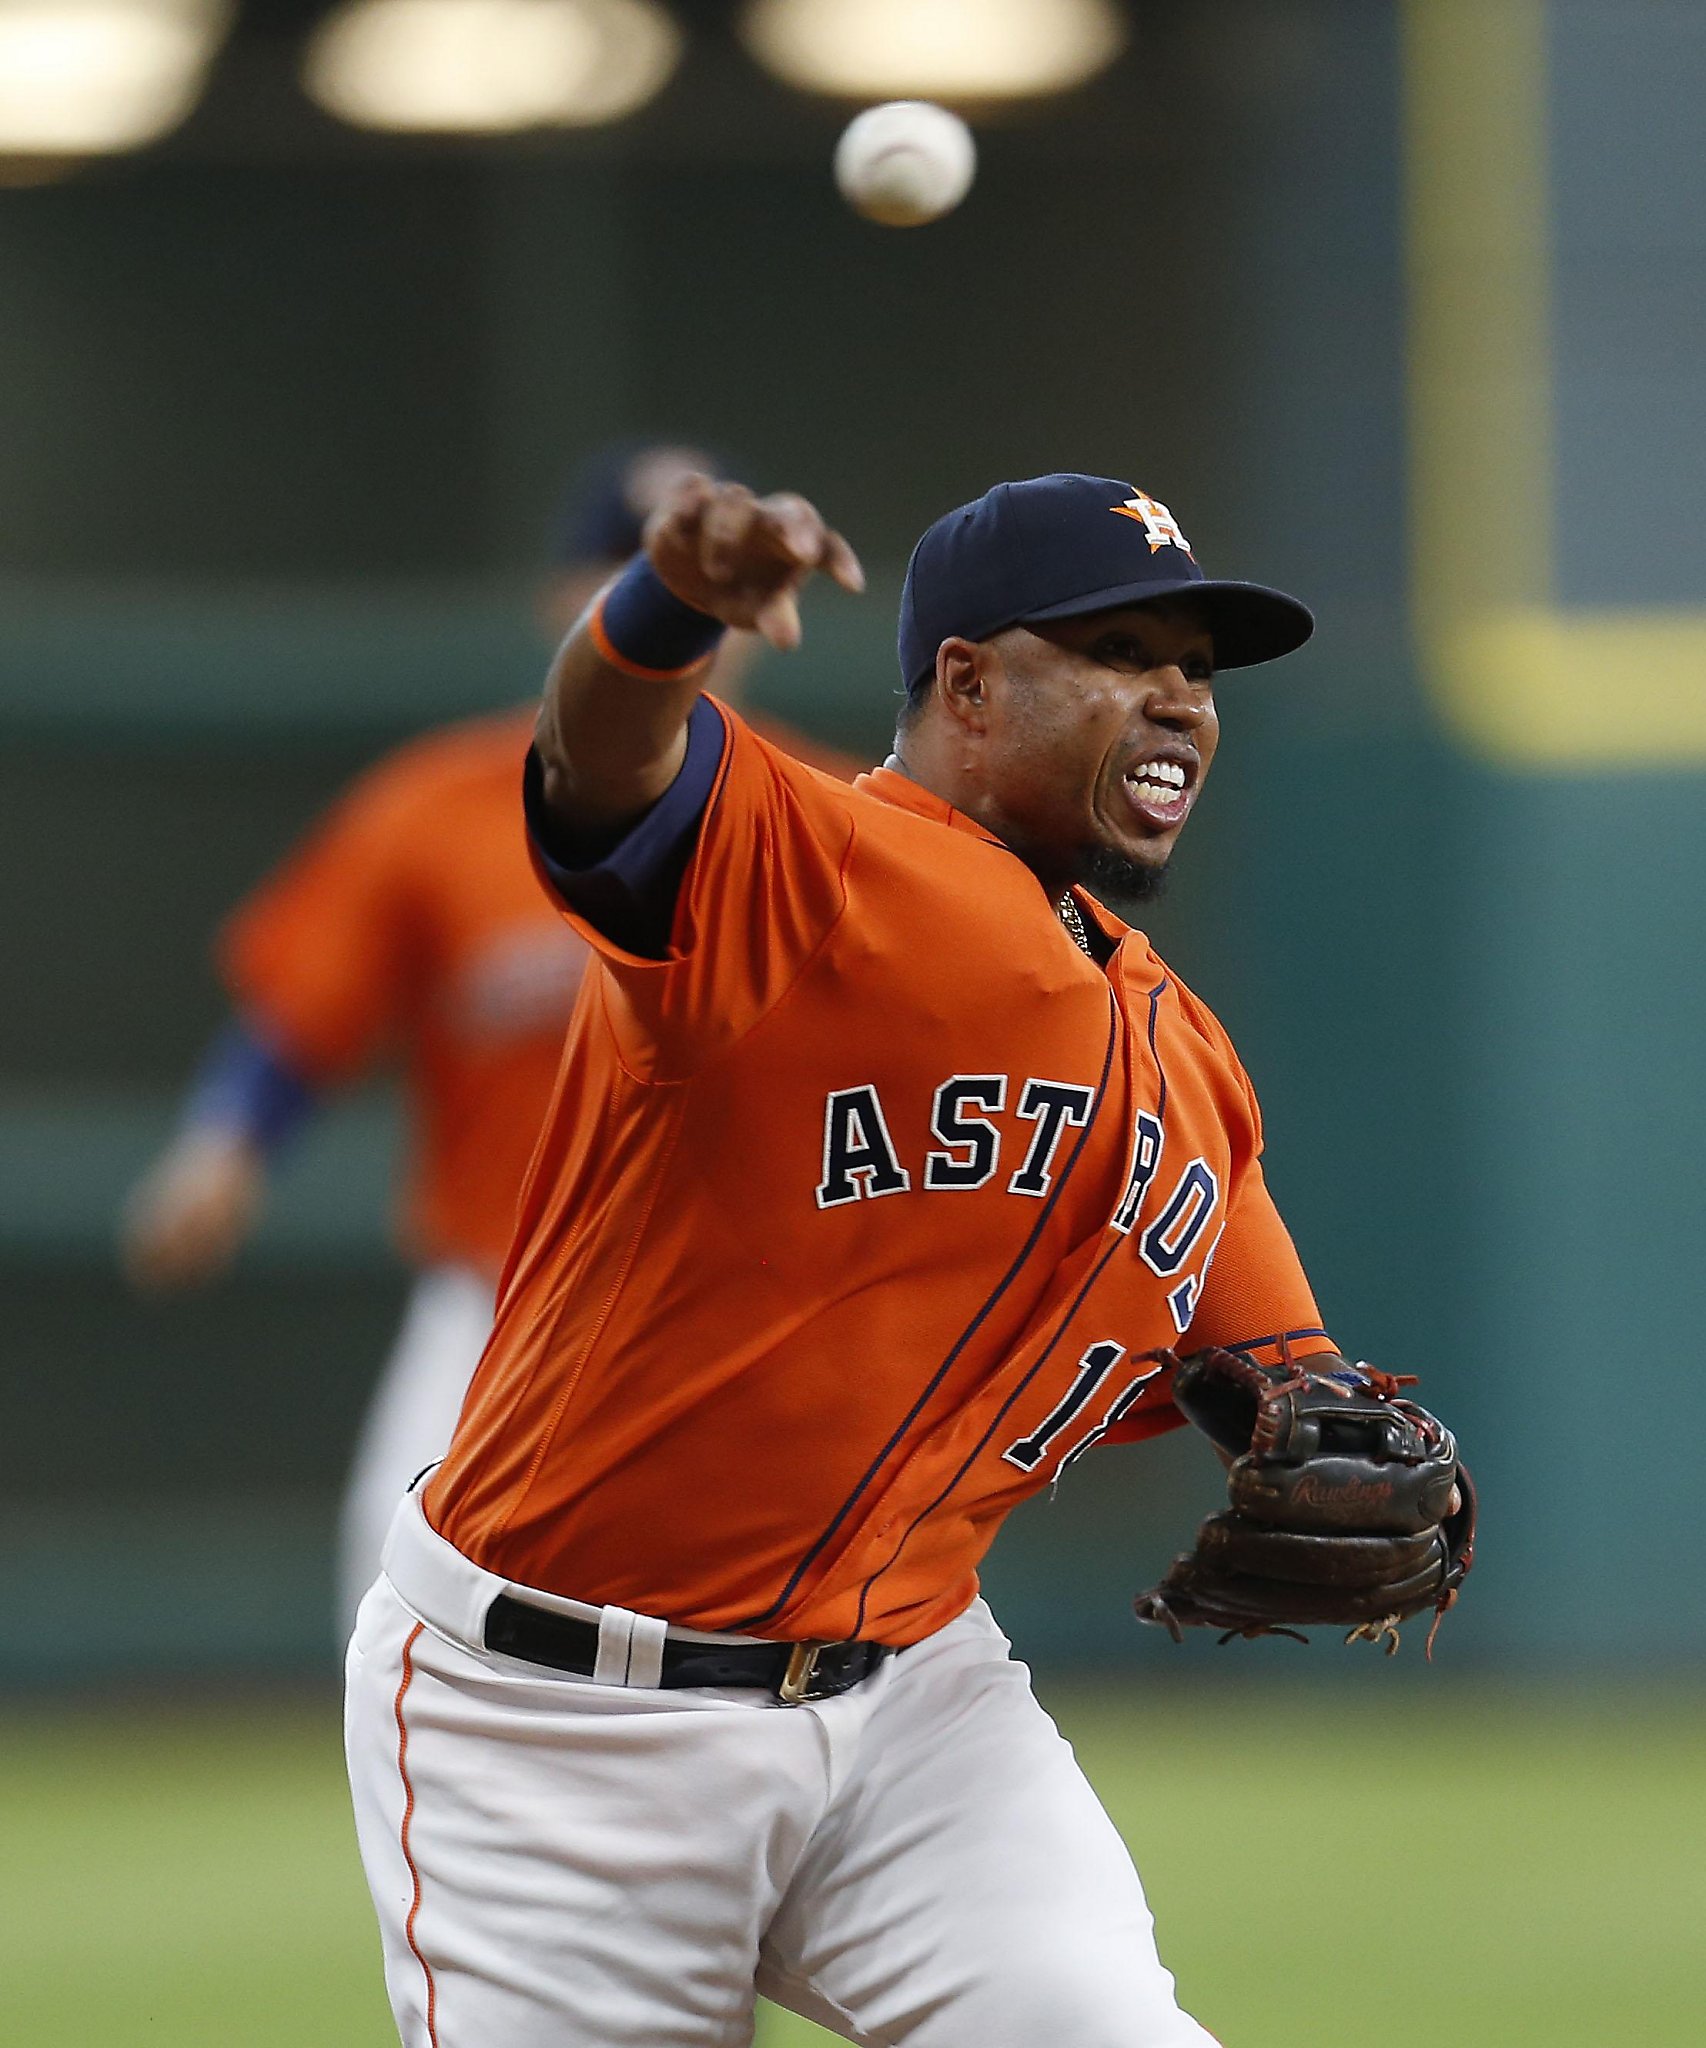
(1255, 1296)
(630, 892)
(321, 957)
(754, 883)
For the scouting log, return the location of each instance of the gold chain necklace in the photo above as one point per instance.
(1073, 919)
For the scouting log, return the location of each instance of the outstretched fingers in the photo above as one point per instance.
(743, 558)
(841, 563)
(803, 543)
(812, 542)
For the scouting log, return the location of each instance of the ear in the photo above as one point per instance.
(962, 685)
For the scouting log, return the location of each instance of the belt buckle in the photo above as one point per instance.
(796, 1684)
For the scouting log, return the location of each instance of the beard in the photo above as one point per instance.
(1115, 879)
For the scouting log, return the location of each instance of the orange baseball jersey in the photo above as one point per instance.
(857, 1217)
(409, 924)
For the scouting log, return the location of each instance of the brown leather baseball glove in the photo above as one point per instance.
(1349, 1506)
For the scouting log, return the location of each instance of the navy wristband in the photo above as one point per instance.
(641, 627)
(243, 1086)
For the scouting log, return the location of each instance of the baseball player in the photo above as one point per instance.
(887, 1171)
(408, 926)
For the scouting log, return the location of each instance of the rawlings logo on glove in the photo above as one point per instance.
(1349, 1506)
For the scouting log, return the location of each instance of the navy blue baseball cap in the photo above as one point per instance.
(1056, 547)
(614, 492)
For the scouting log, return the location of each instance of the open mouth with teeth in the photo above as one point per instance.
(1160, 790)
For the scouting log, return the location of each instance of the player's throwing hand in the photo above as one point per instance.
(715, 556)
(742, 559)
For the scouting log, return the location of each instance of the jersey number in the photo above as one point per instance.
(1093, 1368)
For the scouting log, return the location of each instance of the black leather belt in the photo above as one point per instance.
(794, 1672)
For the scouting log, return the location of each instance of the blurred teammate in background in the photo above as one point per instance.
(408, 927)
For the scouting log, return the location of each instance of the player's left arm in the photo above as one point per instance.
(1256, 1296)
(1257, 1299)
(1347, 1504)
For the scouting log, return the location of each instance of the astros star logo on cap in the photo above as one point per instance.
(1159, 525)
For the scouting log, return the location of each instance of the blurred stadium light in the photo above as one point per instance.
(87, 77)
(489, 66)
(946, 49)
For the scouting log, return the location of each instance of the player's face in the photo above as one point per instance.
(1101, 732)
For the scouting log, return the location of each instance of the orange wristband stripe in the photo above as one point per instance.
(610, 653)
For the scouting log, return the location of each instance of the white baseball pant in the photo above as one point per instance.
(411, 1417)
(568, 1863)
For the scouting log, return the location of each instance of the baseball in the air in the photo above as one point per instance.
(905, 162)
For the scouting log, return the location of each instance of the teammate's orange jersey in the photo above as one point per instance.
(855, 1220)
(409, 924)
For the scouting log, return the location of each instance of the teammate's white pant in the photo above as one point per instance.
(564, 1864)
(410, 1418)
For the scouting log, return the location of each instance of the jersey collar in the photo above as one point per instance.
(894, 786)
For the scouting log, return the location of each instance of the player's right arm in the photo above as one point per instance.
(613, 728)
(319, 962)
(189, 1215)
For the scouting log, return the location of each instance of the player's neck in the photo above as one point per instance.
(938, 775)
